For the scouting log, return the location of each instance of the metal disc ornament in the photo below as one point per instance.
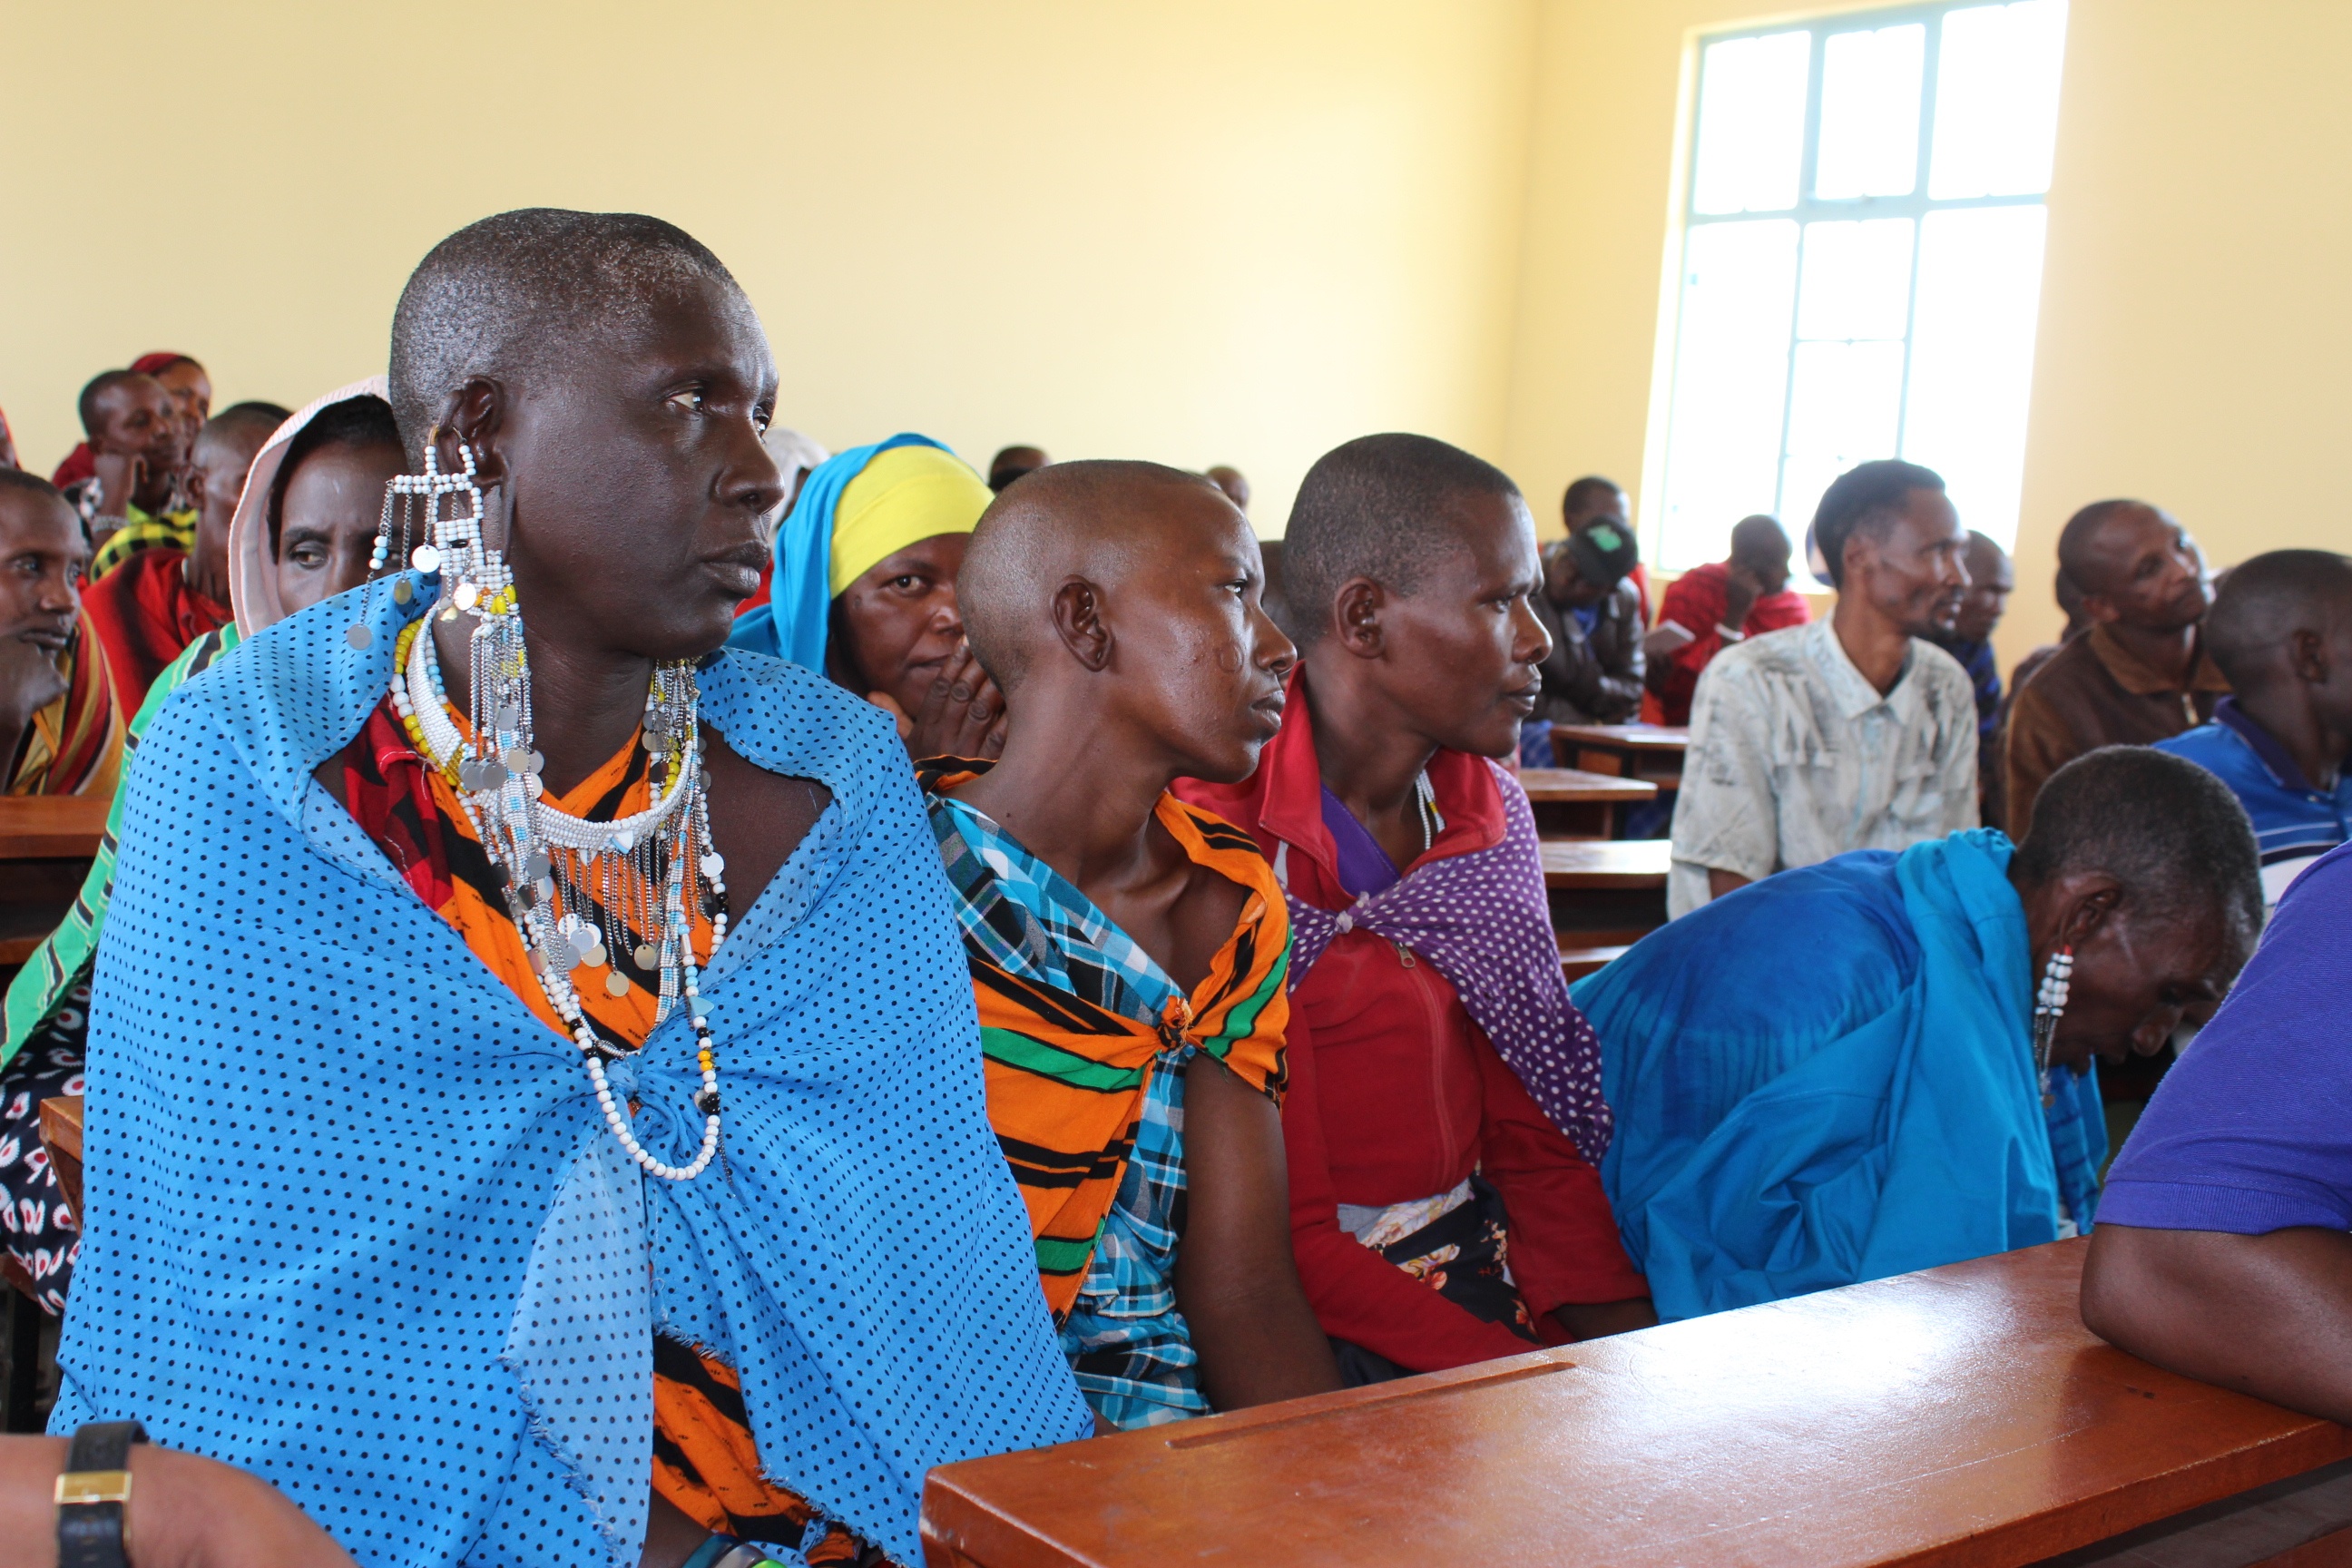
(359, 636)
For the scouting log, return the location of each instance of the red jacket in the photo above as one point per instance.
(1395, 1094)
(1696, 601)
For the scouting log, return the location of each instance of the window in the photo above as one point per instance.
(1862, 263)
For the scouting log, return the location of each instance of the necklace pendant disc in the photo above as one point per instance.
(647, 955)
(359, 636)
(403, 591)
(593, 956)
(616, 984)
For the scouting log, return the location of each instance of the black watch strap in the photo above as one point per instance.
(92, 1493)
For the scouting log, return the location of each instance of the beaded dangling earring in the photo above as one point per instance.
(2049, 1005)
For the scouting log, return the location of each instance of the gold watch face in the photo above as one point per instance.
(93, 1485)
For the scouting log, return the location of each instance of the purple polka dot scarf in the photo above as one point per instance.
(1481, 916)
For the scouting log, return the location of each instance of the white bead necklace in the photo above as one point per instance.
(617, 871)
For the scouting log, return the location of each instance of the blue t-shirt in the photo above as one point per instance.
(2251, 1131)
(2294, 821)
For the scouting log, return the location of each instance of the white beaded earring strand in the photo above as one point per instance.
(660, 859)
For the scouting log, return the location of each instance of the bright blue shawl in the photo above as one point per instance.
(792, 624)
(355, 1222)
(1828, 1076)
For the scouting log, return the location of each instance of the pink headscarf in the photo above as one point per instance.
(252, 568)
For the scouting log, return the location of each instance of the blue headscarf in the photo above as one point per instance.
(356, 1224)
(792, 623)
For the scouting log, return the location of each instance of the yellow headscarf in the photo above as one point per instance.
(903, 495)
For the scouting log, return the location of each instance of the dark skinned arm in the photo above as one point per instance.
(1236, 1282)
(1720, 882)
(2266, 1315)
(185, 1511)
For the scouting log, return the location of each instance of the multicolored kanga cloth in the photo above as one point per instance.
(705, 1462)
(1085, 1041)
(73, 746)
(1482, 917)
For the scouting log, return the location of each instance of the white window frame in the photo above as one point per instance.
(1809, 208)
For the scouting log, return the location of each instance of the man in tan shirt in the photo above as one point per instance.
(2140, 674)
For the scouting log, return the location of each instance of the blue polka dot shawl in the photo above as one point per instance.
(355, 1222)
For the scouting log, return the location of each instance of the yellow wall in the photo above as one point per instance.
(1201, 230)
(2196, 321)
(1214, 231)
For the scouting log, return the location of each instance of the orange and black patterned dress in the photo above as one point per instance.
(705, 1463)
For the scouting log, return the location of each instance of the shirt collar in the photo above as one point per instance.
(2267, 750)
(2135, 676)
(1853, 692)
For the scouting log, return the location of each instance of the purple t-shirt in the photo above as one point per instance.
(2251, 1131)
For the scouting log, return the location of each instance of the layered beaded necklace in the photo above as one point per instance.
(638, 879)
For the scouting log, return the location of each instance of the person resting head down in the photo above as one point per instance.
(48, 1001)
(1128, 950)
(1446, 1111)
(1839, 1073)
(865, 591)
(643, 1008)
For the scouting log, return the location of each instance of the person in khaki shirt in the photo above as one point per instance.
(2140, 674)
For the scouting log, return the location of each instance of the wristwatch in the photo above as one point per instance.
(92, 1493)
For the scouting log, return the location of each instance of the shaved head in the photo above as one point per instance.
(241, 427)
(1101, 520)
(1760, 540)
(2264, 602)
(510, 294)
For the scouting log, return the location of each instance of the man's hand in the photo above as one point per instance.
(961, 716)
(1742, 589)
(120, 475)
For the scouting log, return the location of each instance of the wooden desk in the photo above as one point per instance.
(1652, 752)
(1960, 1416)
(1605, 894)
(46, 843)
(1571, 804)
(52, 827)
(61, 1133)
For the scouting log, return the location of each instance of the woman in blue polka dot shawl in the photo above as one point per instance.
(354, 1220)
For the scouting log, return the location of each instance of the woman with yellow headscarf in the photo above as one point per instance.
(863, 591)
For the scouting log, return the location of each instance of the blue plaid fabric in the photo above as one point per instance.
(1128, 1344)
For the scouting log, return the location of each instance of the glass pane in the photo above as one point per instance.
(1845, 400)
(1751, 123)
(1857, 279)
(1997, 99)
(1870, 113)
(1731, 379)
(1972, 357)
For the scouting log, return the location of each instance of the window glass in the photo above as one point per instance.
(1870, 113)
(1731, 376)
(1876, 313)
(1751, 123)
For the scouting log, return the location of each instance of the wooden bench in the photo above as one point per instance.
(1606, 894)
(1571, 804)
(1648, 751)
(46, 843)
(1959, 1416)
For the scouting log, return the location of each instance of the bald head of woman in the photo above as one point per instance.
(1109, 596)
